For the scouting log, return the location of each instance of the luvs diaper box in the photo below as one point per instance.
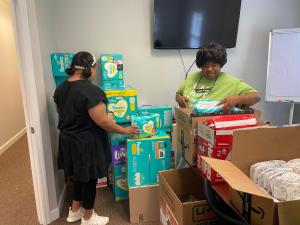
(123, 103)
(148, 124)
(112, 70)
(120, 185)
(165, 113)
(146, 157)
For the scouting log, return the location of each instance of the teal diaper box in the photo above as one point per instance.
(148, 124)
(146, 157)
(113, 84)
(119, 139)
(59, 62)
(120, 185)
(112, 67)
(165, 113)
(123, 103)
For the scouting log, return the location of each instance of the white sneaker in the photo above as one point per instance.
(75, 216)
(95, 220)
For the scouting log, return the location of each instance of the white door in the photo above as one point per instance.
(27, 55)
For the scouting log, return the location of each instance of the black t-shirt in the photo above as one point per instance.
(84, 151)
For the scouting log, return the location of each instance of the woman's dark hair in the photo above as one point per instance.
(82, 61)
(211, 52)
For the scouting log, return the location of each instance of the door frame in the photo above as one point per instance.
(30, 92)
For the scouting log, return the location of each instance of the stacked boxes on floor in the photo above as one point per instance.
(59, 62)
(122, 101)
(146, 158)
(215, 139)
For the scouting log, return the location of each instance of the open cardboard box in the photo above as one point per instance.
(182, 199)
(249, 147)
(187, 132)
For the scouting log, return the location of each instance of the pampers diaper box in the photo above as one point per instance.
(146, 157)
(165, 113)
(120, 185)
(59, 62)
(112, 70)
(122, 102)
(148, 124)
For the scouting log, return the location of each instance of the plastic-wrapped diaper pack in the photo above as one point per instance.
(279, 178)
(209, 106)
(148, 124)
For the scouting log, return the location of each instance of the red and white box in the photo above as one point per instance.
(207, 171)
(207, 149)
(218, 130)
(101, 182)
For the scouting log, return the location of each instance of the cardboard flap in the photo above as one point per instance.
(234, 177)
(284, 212)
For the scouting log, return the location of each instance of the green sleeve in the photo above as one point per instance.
(244, 88)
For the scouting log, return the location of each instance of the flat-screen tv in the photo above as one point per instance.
(188, 24)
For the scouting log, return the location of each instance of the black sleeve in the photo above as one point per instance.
(55, 96)
(93, 96)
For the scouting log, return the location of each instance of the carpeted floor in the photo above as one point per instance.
(17, 201)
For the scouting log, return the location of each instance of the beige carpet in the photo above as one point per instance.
(17, 201)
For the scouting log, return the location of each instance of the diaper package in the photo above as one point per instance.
(148, 125)
(120, 185)
(209, 106)
(59, 62)
(119, 154)
(165, 113)
(146, 157)
(112, 67)
(123, 103)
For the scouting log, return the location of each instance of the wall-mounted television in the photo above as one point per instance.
(188, 24)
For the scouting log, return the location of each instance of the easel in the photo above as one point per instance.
(292, 107)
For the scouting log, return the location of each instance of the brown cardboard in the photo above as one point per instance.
(186, 132)
(249, 147)
(182, 191)
(144, 204)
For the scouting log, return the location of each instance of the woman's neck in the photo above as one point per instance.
(76, 76)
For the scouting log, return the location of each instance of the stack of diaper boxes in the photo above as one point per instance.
(122, 101)
(59, 62)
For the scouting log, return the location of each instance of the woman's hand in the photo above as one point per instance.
(182, 100)
(133, 131)
(229, 102)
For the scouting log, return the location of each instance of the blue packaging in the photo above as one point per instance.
(120, 185)
(59, 62)
(148, 125)
(146, 157)
(112, 67)
(165, 112)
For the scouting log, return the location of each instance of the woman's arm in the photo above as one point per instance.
(99, 116)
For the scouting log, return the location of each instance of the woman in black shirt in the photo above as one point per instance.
(84, 152)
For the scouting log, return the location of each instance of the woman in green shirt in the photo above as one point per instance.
(211, 84)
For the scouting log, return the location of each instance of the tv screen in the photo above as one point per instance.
(185, 24)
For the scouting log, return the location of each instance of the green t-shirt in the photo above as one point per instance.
(197, 86)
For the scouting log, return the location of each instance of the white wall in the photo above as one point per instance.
(125, 27)
(12, 119)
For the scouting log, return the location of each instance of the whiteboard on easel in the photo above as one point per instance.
(283, 76)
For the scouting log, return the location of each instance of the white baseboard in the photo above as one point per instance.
(11, 141)
(55, 213)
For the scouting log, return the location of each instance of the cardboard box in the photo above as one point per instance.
(249, 147)
(112, 67)
(182, 192)
(187, 131)
(123, 102)
(120, 185)
(186, 134)
(165, 112)
(59, 62)
(146, 157)
(205, 148)
(144, 204)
